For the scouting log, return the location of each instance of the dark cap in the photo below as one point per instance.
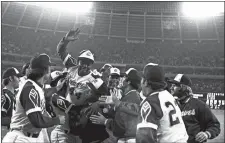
(133, 76)
(41, 61)
(181, 79)
(11, 72)
(154, 73)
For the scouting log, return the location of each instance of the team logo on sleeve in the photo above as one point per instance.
(34, 97)
(61, 104)
(145, 111)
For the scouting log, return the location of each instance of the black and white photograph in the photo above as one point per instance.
(112, 72)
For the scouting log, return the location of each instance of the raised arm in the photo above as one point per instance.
(67, 59)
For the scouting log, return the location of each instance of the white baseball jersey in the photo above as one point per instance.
(76, 83)
(161, 114)
(30, 98)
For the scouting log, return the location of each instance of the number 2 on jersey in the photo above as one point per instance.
(171, 113)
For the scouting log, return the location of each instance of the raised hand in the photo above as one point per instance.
(72, 35)
(112, 99)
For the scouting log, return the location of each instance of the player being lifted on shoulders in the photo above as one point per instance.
(79, 75)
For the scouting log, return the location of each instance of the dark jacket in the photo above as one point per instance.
(198, 117)
(124, 125)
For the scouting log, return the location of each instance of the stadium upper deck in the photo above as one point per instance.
(139, 21)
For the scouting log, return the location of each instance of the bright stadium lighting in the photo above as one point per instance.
(73, 7)
(202, 9)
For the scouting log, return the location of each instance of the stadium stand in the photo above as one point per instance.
(121, 33)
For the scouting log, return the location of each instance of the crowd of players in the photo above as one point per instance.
(90, 106)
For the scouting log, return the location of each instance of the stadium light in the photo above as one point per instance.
(72, 7)
(202, 9)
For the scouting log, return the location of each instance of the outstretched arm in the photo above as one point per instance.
(67, 59)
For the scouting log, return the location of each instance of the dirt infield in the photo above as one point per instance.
(219, 114)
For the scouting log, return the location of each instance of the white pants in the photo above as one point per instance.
(123, 140)
(59, 136)
(18, 137)
(4, 131)
(43, 136)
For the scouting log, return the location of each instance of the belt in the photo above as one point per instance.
(32, 135)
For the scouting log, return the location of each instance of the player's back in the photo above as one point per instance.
(20, 116)
(171, 128)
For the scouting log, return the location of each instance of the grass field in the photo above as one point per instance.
(219, 114)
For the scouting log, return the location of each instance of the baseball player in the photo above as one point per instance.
(201, 124)
(105, 72)
(29, 113)
(10, 82)
(159, 117)
(124, 125)
(79, 75)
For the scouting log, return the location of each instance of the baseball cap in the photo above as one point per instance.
(86, 54)
(114, 71)
(40, 62)
(154, 73)
(105, 67)
(133, 76)
(181, 79)
(11, 72)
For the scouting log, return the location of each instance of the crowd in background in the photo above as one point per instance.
(118, 50)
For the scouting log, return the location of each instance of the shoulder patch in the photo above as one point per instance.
(145, 110)
(61, 104)
(34, 97)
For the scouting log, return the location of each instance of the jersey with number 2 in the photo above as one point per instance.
(160, 112)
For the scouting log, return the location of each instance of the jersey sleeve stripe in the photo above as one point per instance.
(147, 125)
(66, 58)
(33, 110)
